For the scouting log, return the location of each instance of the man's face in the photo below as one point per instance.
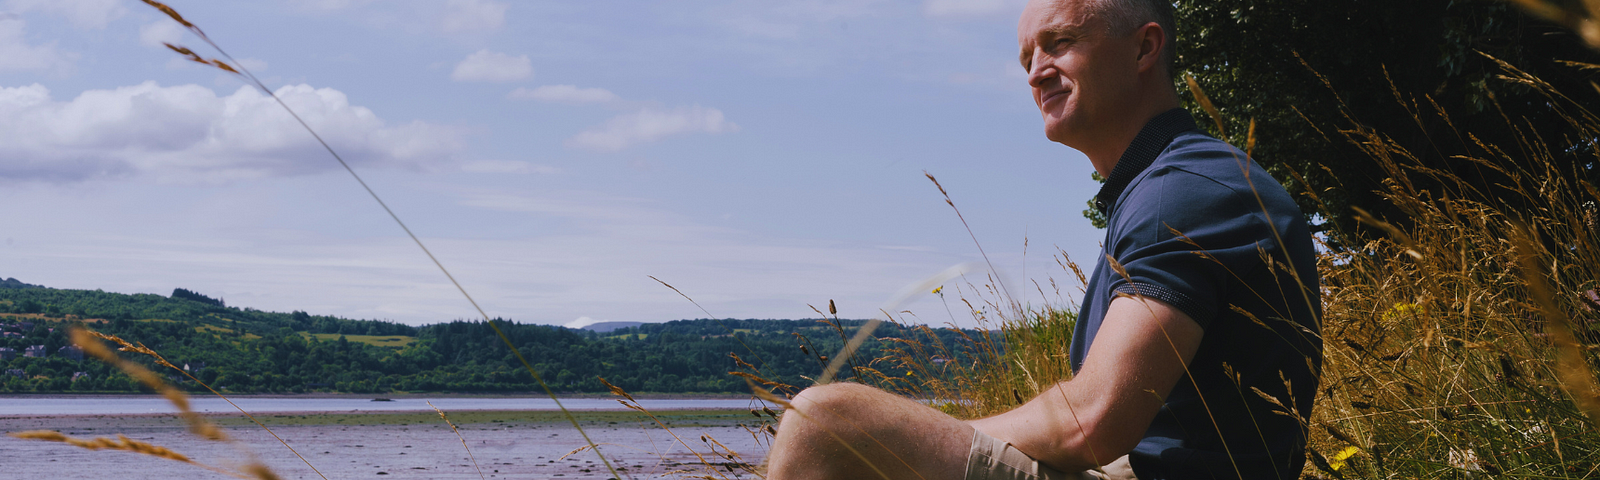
(1082, 75)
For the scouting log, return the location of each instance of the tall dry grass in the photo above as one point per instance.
(1014, 356)
(1463, 345)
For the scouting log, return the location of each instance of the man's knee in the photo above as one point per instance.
(837, 395)
(844, 428)
(848, 401)
(840, 408)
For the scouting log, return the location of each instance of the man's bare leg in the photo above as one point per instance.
(903, 439)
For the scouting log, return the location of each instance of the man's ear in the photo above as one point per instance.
(1152, 42)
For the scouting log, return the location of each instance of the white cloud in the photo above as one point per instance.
(564, 94)
(161, 31)
(473, 16)
(95, 14)
(952, 8)
(487, 66)
(188, 133)
(649, 125)
(506, 166)
(16, 54)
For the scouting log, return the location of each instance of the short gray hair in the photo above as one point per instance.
(1125, 16)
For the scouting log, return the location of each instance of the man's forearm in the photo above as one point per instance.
(1101, 414)
(1055, 428)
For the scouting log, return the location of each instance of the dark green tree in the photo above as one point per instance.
(1417, 71)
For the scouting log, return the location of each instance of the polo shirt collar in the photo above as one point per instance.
(1146, 146)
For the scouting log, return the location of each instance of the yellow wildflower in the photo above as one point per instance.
(1337, 461)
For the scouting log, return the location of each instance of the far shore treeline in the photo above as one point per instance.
(243, 350)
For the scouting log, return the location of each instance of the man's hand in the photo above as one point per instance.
(1138, 355)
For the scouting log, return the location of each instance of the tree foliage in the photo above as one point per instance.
(1424, 73)
(196, 296)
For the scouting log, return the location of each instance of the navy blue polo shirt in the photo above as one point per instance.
(1198, 225)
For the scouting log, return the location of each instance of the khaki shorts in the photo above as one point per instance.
(993, 459)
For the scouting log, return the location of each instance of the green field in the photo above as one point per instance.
(396, 341)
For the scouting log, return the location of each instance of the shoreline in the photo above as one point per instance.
(681, 417)
(576, 412)
(397, 395)
(354, 406)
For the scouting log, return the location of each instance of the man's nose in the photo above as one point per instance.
(1041, 70)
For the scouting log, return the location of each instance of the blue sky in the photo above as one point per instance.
(759, 156)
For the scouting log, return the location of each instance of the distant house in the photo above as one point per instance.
(26, 326)
(71, 352)
(7, 353)
(17, 372)
(194, 367)
(36, 351)
(78, 375)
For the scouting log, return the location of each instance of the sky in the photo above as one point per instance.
(761, 157)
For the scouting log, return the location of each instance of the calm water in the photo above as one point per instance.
(411, 449)
(122, 405)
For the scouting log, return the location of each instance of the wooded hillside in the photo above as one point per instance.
(247, 350)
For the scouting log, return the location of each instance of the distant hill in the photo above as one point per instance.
(248, 350)
(13, 283)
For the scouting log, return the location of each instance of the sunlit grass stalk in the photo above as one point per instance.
(125, 444)
(160, 360)
(633, 404)
(198, 425)
(458, 435)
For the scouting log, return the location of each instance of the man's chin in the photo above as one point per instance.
(1057, 134)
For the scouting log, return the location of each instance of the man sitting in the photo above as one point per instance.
(1206, 293)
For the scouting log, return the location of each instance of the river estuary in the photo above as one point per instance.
(356, 437)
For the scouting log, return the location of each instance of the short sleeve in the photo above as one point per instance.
(1184, 239)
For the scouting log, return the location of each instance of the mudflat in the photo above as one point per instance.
(506, 444)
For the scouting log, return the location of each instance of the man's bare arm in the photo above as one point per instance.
(1138, 355)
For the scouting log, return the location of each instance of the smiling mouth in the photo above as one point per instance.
(1051, 96)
